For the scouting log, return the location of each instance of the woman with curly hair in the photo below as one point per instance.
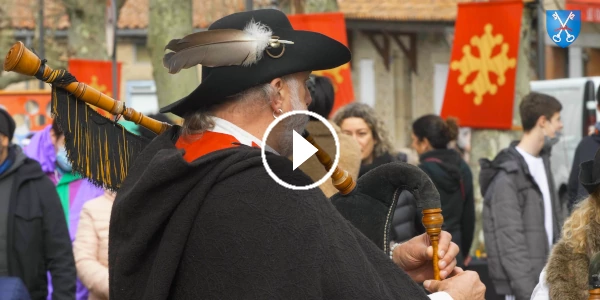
(565, 276)
(360, 121)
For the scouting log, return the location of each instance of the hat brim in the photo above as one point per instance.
(311, 51)
(586, 176)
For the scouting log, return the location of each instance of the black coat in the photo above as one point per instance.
(38, 237)
(222, 228)
(454, 181)
(382, 160)
(585, 151)
(407, 221)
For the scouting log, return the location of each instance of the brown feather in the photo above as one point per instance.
(215, 48)
(205, 38)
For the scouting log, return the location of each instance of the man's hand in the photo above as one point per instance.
(462, 286)
(415, 256)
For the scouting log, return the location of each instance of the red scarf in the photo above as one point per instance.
(208, 142)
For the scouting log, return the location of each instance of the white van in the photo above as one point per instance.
(578, 98)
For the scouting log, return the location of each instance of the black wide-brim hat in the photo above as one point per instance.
(589, 174)
(311, 51)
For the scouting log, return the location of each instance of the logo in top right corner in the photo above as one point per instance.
(563, 26)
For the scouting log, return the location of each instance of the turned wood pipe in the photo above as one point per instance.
(342, 181)
(433, 221)
(594, 294)
(432, 218)
(21, 60)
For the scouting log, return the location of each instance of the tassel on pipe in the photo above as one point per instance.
(98, 148)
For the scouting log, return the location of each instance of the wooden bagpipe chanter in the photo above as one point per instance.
(368, 203)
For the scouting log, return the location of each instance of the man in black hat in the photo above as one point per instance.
(198, 216)
(34, 237)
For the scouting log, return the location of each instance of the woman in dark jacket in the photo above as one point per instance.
(451, 176)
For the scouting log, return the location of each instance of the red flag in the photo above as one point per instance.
(96, 74)
(332, 25)
(590, 9)
(480, 90)
(28, 108)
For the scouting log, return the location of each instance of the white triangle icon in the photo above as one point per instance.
(303, 150)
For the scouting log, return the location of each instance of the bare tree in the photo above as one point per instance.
(307, 6)
(169, 20)
(7, 38)
(87, 32)
(86, 37)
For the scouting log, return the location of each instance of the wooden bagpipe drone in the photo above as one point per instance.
(102, 150)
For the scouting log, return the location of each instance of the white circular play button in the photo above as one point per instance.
(302, 150)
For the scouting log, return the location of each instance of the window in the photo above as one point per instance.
(440, 76)
(141, 96)
(142, 54)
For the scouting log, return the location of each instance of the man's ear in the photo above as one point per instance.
(427, 143)
(542, 121)
(277, 102)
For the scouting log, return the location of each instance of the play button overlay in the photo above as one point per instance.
(284, 135)
(303, 150)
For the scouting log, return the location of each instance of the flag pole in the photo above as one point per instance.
(541, 41)
(113, 6)
(41, 48)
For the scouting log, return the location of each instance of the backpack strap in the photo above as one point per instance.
(462, 184)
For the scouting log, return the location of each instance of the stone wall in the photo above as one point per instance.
(401, 95)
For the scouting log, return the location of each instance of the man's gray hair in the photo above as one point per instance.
(197, 122)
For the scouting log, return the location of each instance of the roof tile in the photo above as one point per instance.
(133, 14)
(400, 10)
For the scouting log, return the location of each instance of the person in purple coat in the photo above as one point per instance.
(48, 148)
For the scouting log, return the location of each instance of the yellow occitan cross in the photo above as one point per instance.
(101, 88)
(484, 64)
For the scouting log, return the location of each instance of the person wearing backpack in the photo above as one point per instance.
(522, 215)
(451, 176)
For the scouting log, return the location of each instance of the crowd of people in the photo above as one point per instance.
(212, 224)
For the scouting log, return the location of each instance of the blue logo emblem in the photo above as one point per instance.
(563, 26)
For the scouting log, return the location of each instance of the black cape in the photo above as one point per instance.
(222, 228)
